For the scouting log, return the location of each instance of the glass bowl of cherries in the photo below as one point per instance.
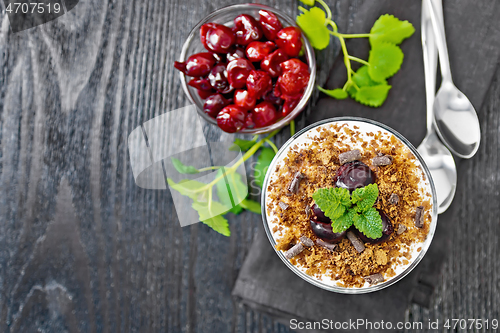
(248, 68)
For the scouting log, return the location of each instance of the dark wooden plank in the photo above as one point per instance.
(94, 252)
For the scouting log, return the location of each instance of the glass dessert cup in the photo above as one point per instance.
(425, 183)
(225, 16)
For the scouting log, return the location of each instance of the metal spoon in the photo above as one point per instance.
(438, 159)
(455, 118)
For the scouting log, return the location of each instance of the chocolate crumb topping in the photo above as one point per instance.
(294, 184)
(296, 249)
(306, 241)
(350, 156)
(308, 211)
(325, 245)
(374, 278)
(419, 217)
(401, 229)
(382, 160)
(356, 242)
(394, 199)
(283, 205)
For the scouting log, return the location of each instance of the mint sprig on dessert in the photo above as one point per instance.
(368, 84)
(346, 210)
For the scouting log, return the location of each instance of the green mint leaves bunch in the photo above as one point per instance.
(368, 84)
(346, 210)
(228, 184)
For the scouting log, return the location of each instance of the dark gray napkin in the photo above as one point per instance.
(473, 34)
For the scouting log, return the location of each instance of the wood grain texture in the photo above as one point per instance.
(83, 249)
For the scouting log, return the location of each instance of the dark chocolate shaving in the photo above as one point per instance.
(308, 211)
(294, 185)
(349, 156)
(419, 217)
(306, 241)
(296, 249)
(326, 245)
(283, 205)
(356, 242)
(401, 229)
(374, 278)
(394, 199)
(382, 160)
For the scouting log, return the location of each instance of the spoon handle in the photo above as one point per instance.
(436, 13)
(430, 62)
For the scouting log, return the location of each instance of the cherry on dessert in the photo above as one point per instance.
(218, 79)
(217, 37)
(353, 175)
(243, 99)
(200, 83)
(289, 40)
(237, 72)
(387, 230)
(321, 225)
(289, 105)
(269, 24)
(235, 53)
(318, 215)
(264, 114)
(198, 64)
(257, 51)
(214, 104)
(271, 63)
(231, 118)
(246, 29)
(258, 83)
(324, 231)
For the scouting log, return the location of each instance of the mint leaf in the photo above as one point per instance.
(334, 202)
(187, 187)
(344, 222)
(263, 161)
(181, 168)
(313, 22)
(206, 212)
(308, 2)
(369, 223)
(370, 93)
(231, 191)
(251, 205)
(244, 145)
(390, 29)
(373, 96)
(219, 224)
(362, 79)
(385, 60)
(335, 93)
(365, 197)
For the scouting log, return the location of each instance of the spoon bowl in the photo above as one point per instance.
(456, 121)
(442, 168)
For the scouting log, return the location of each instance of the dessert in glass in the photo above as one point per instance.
(349, 205)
